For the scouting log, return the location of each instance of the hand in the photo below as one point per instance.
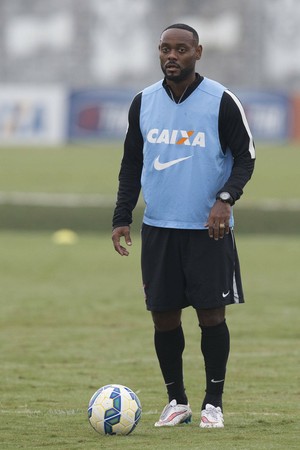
(116, 236)
(218, 220)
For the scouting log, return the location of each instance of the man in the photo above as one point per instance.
(189, 147)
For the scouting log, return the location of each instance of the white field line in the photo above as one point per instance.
(32, 412)
(258, 413)
(71, 412)
(98, 200)
(271, 204)
(60, 200)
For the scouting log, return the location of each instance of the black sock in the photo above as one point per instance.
(215, 345)
(169, 346)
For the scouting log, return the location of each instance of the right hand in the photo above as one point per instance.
(116, 236)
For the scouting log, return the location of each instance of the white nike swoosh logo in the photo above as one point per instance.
(216, 381)
(162, 166)
(224, 295)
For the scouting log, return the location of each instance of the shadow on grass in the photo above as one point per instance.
(93, 219)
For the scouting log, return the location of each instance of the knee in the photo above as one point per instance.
(167, 320)
(211, 317)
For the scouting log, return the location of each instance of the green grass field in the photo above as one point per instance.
(271, 202)
(94, 169)
(73, 319)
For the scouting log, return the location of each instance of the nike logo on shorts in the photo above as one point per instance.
(225, 294)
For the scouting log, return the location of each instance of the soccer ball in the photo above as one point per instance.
(114, 409)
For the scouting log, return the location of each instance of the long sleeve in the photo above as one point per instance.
(131, 168)
(235, 135)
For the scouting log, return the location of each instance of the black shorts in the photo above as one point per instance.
(183, 268)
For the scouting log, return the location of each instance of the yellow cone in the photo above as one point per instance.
(65, 237)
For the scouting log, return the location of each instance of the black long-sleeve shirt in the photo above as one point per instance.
(234, 134)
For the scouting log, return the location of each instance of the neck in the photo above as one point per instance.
(179, 88)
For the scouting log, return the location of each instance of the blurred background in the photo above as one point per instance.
(72, 311)
(69, 68)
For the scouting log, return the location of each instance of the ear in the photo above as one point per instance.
(198, 52)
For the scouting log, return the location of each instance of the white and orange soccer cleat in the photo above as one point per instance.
(174, 414)
(211, 417)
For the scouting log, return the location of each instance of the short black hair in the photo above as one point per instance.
(183, 26)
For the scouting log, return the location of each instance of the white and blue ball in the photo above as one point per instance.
(114, 409)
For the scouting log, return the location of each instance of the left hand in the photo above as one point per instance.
(218, 220)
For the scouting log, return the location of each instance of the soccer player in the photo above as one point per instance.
(189, 147)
